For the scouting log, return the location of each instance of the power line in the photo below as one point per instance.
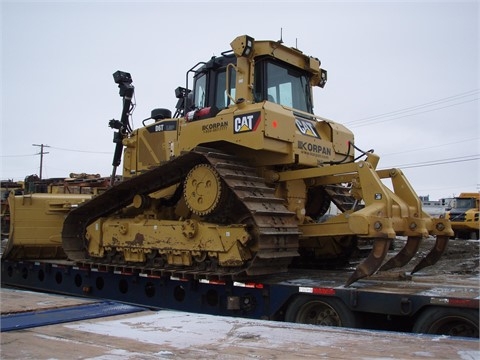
(443, 188)
(371, 122)
(415, 107)
(439, 162)
(62, 149)
(81, 151)
(446, 99)
(371, 119)
(431, 147)
(18, 155)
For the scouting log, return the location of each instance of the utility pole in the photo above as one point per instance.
(41, 153)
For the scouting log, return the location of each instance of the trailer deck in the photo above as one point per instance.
(165, 334)
(385, 301)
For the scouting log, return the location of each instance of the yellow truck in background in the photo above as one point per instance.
(463, 216)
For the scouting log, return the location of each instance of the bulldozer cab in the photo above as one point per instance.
(210, 83)
(255, 101)
(214, 84)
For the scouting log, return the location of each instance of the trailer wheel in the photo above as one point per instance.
(446, 321)
(320, 311)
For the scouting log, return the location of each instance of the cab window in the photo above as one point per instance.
(221, 99)
(278, 82)
(200, 91)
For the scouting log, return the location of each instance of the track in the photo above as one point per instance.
(271, 225)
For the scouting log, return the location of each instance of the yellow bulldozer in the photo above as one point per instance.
(236, 182)
(7, 187)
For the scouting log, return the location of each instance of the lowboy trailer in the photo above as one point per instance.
(438, 304)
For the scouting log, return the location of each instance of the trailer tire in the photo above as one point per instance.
(448, 321)
(317, 310)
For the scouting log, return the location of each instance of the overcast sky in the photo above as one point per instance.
(403, 76)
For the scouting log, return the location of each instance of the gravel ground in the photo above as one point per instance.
(460, 257)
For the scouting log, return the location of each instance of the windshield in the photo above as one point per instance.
(464, 203)
(277, 82)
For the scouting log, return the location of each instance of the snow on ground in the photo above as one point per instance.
(182, 331)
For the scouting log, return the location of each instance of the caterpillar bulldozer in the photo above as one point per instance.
(7, 187)
(237, 182)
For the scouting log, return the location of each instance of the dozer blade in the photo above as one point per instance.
(372, 262)
(434, 255)
(404, 255)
